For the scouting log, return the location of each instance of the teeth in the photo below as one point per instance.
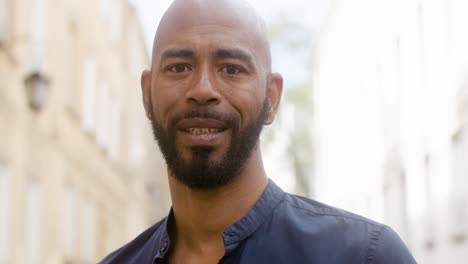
(203, 130)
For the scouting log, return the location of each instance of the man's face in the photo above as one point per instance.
(208, 99)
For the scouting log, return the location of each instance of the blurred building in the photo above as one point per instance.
(391, 110)
(275, 143)
(80, 173)
(287, 144)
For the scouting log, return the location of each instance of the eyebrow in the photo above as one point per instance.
(219, 53)
(177, 53)
(234, 54)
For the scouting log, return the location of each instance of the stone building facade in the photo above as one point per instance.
(390, 102)
(80, 173)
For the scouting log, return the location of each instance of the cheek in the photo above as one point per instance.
(164, 101)
(247, 101)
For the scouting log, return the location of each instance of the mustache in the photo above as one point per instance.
(231, 120)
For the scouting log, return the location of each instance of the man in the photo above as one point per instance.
(208, 94)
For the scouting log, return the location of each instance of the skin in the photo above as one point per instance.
(202, 76)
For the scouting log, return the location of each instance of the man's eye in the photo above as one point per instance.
(179, 68)
(230, 69)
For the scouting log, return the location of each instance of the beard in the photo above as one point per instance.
(200, 172)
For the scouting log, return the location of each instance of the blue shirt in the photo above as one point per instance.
(284, 228)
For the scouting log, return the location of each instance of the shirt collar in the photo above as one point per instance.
(260, 212)
(240, 230)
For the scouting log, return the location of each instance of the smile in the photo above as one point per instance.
(199, 130)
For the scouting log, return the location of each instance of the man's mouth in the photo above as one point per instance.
(204, 130)
(198, 126)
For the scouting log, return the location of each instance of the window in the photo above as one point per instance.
(111, 13)
(33, 223)
(428, 224)
(5, 215)
(102, 124)
(89, 231)
(72, 69)
(460, 186)
(108, 122)
(38, 33)
(135, 57)
(115, 130)
(69, 222)
(4, 21)
(89, 94)
(136, 152)
(395, 198)
(115, 20)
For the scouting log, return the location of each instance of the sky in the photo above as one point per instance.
(290, 50)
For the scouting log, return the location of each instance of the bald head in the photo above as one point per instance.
(202, 17)
(211, 68)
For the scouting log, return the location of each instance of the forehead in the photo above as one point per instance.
(207, 40)
(188, 25)
(207, 35)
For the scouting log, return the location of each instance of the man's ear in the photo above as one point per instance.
(146, 93)
(275, 89)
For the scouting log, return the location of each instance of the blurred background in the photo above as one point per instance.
(374, 120)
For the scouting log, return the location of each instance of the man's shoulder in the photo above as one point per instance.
(350, 234)
(316, 209)
(316, 220)
(135, 248)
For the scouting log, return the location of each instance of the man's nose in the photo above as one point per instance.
(203, 91)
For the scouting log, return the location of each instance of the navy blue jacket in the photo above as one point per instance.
(284, 228)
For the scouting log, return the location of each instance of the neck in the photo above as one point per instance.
(202, 215)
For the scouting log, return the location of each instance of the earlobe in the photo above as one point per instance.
(146, 92)
(275, 90)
